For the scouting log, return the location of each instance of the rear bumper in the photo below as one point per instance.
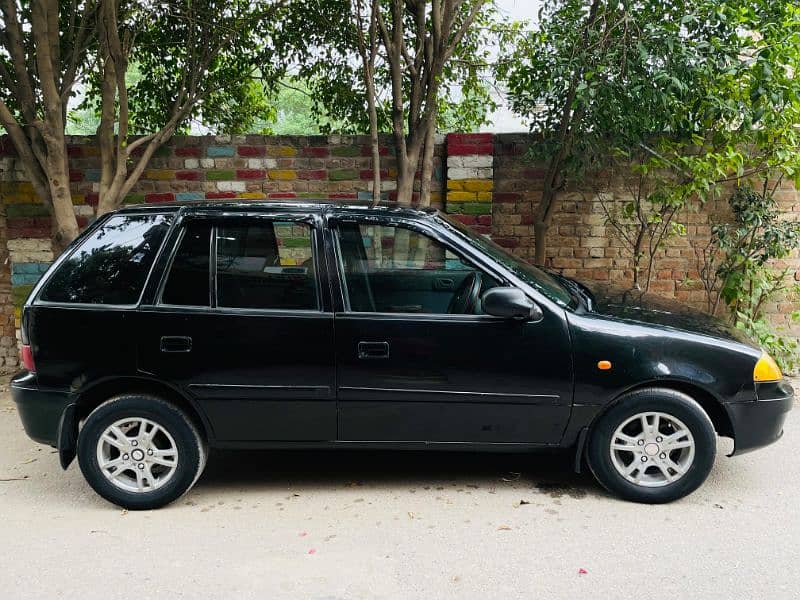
(39, 409)
(760, 423)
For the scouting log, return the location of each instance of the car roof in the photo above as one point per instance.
(322, 206)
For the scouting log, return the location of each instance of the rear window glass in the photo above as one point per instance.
(266, 265)
(111, 265)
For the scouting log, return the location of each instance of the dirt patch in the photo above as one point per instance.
(559, 490)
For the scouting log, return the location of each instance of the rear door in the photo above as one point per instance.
(412, 367)
(242, 323)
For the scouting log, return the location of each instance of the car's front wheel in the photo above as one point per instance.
(140, 452)
(654, 445)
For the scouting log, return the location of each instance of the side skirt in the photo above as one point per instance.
(391, 445)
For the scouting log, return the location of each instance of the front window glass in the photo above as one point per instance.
(533, 276)
(399, 270)
(111, 265)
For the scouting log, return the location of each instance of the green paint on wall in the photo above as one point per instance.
(19, 293)
(15, 211)
(346, 151)
(220, 175)
(342, 174)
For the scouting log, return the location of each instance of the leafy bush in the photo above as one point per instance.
(747, 279)
(784, 349)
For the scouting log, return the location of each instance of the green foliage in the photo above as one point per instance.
(293, 112)
(617, 73)
(228, 43)
(644, 215)
(706, 88)
(746, 249)
(784, 349)
(241, 109)
(740, 117)
(756, 236)
(328, 64)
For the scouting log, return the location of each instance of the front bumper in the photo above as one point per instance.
(759, 423)
(40, 409)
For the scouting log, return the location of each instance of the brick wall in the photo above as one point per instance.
(582, 245)
(489, 184)
(8, 346)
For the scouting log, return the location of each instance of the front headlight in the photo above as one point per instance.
(766, 369)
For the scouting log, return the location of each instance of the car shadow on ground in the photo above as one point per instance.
(551, 473)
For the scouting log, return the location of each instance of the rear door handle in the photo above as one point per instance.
(368, 350)
(176, 343)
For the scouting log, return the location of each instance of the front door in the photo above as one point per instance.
(418, 361)
(240, 325)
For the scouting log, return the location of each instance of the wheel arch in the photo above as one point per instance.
(712, 406)
(92, 397)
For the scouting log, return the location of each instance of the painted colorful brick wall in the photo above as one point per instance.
(470, 180)
(8, 345)
(194, 169)
(489, 182)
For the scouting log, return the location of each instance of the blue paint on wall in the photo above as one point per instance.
(220, 151)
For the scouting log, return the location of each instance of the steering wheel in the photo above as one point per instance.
(465, 298)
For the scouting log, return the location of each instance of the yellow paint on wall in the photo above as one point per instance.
(478, 185)
(456, 184)
(253, 195)
(159, 174)
(19, 198)
(282, 174)
(470, 185)
(281, 151)
(16, 186)
(461, 196)
(484, 196)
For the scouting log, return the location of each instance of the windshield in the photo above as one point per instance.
(535, 277)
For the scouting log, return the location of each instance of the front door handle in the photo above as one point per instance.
(444, 283)
(373, 350)
(176, 343)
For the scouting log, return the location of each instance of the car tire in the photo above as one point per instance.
(653, 445)
(140, 452)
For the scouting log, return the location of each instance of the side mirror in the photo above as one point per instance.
(510, 303)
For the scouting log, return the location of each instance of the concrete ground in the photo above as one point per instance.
(346, 525)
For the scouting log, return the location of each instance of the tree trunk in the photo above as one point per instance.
(540, 240)
(406, 170)
(542, 216)
(637, 259)
(65, 225)
(376, 152)
(427, 166)
(421, 251)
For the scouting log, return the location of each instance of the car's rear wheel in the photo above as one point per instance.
(654, 445)
(140, 452)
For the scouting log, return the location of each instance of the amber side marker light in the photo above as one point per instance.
(766, 369)
(604, 365)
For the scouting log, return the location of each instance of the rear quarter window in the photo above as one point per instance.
(111, 265)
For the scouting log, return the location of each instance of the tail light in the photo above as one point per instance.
(25, 353)
(27, 358)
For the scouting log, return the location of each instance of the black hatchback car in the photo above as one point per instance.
(165, 330)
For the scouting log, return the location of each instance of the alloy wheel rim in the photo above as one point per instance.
(652, 449)
(137, 455)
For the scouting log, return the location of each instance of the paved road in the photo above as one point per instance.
(272, 525)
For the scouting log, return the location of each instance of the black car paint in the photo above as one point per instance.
(266, 378)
